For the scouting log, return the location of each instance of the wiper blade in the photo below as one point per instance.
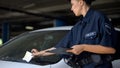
(11, 59)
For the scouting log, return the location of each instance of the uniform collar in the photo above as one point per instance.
(88, 14)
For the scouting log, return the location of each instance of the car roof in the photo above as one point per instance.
(117, 29)
(54, 28)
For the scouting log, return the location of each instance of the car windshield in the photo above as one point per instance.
(16, 48)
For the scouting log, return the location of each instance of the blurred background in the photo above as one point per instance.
(18, 16)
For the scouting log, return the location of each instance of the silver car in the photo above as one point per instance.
(13, 51)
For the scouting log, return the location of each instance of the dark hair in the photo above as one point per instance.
(88, 2)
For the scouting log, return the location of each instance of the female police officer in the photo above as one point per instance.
(90, 37)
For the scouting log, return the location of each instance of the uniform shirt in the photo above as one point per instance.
(94, 28)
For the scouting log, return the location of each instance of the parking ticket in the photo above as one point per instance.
(28, 56)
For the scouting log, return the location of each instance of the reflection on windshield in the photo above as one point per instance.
(39, 40)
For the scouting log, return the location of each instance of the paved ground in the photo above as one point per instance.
(116, 63)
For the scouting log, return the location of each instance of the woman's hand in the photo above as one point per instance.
(77, 49)
(37, 53)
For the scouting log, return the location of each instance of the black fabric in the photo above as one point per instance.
(61, 51)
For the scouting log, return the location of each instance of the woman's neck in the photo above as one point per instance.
(85, 10)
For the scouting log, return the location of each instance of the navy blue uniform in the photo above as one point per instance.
(94, 28)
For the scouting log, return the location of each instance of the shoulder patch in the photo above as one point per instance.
(108, 28)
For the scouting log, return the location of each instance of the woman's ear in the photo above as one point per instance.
(81, 2)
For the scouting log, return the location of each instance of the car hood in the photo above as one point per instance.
(9, 64)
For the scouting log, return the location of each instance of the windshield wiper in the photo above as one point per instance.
(11, 59)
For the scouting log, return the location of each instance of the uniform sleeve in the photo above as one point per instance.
(65, 41)
(107, 32)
